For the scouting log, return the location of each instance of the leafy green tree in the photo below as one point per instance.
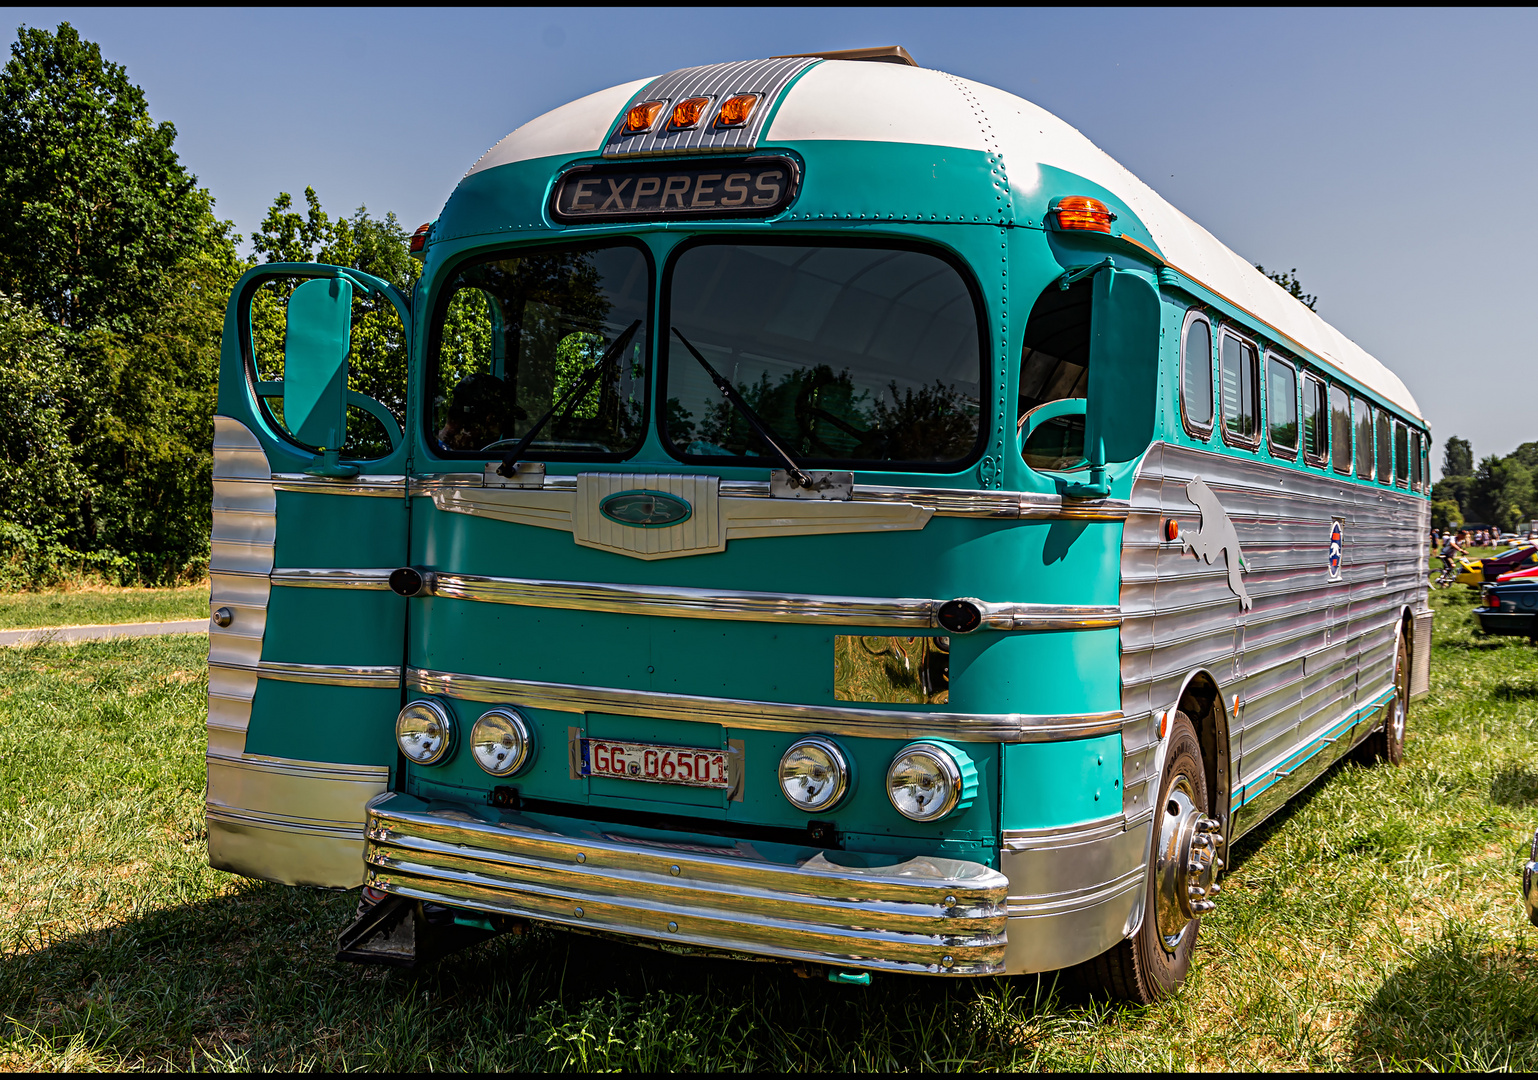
(1502, 493)
(1288, 279)
(1456, 490)
(1445, 514)
(1458, 457)
(37, 381)
(97, 207)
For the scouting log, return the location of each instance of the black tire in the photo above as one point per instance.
(1140, 968)
(1387, 742)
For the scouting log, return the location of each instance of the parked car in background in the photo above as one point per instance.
(1510, 608)
(1479, 571)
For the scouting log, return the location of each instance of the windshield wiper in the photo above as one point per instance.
(760, 429)
(575, 394)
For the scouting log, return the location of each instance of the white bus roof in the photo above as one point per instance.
(860, 101)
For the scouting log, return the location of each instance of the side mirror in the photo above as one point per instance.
(316, 344)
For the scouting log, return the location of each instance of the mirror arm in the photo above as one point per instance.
(1070, 276)
(1099, 485)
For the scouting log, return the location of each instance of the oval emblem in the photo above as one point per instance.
(645, 509)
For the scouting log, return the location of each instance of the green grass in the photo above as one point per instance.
(1374, 924)
(101, 605)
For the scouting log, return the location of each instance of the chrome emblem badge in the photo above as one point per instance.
(645, 509)
(1337, 548)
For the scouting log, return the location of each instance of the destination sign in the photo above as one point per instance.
(648, 191)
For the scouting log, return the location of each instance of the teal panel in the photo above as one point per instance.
(334, 626)
(1061, 783)
(345, 724)
(357, 531)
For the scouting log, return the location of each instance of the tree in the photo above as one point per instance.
(1502, 493)
(1458, 458)
(1456, 490)
(1288, 279)
(1445, 514)
(97, 208)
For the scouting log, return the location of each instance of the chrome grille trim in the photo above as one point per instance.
(730, 604)
(765, 715)
(306, 578)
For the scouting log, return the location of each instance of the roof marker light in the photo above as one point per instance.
(687, 113)
(419, 238)
(641, 117)
(1078, 212)
(736, 109)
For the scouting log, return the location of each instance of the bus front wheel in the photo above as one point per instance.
(1181, 882)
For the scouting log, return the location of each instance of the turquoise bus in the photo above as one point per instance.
(813, 509)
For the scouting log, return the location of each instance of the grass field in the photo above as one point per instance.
(101, 604)
(1373, 924)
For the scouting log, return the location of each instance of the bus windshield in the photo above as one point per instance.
(515, 333)
(850, 355)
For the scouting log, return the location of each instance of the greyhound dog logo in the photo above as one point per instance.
(1216, 536)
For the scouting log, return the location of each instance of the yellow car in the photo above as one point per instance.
(1478, 571)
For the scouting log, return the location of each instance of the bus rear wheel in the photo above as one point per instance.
(1181, 882)
(1387, 743)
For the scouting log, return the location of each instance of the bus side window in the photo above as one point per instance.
(1316, 420)
(1196, 376)
(1340, 431)
(1385, 446)
(1416, 473)
(1401, 454)
(1363, 414)
(1282, 407)
(1240, 365)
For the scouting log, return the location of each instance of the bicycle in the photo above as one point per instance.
(1449, 574)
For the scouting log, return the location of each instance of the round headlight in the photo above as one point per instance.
(814, 774)
(500, 741)
(928, 780)
(424, 730)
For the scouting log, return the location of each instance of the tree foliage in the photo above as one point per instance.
(1458, 458)
(1501, 491)
(1288, 279)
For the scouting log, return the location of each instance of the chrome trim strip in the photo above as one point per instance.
(944, 502)
(334, 579)
(393, 487)
(934, 915)
(731, 604)
(319, 674)
(765, 715)
(1067, 835)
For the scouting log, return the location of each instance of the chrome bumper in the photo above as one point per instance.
(926, 915)
(1530, 883)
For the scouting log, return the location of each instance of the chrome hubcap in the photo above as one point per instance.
(1186, 864)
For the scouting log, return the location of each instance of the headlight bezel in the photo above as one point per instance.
(437, 712)
(953, 764)
(521, 729)
(837, 760)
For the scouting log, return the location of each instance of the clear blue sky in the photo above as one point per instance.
(1388, 155)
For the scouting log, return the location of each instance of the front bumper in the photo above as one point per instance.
(926, 915)
(1515, 623)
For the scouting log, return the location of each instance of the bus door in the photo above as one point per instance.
(309, 513)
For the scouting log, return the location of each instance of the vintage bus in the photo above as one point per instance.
(814, 509)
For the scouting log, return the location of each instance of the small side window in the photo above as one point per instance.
(1426, 462)
(1340, 431)
(1240, 371)
(1401, 454)
(1362, 412)
(1386, 463)
(1316, 421)
(1282, 407)
(1415, 461)
(1196, 376)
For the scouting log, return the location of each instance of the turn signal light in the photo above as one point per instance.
(735, 110)
(1084, 214)
(687, 113)
(419, 238)
(641, 117)
(1171, 529)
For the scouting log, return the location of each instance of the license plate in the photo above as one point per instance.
(686, 765)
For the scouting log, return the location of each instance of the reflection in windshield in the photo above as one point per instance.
(848, 354)
(518, 332)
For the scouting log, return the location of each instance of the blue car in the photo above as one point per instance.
(1511, 608)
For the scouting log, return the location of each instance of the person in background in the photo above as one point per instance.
(1452, 546)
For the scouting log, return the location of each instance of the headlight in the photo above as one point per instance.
(928, 780)
(425, 732)
(814, 774)
(500, 741)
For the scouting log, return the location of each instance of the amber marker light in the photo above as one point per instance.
(687, 113)
(419, 238)
(639, 118)
(1083, 214)
(735, 110)
(1171, 529)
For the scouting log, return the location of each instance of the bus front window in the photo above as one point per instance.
(513, 336)
(852, 356)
